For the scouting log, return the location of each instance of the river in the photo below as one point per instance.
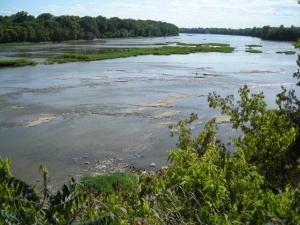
(72, 117)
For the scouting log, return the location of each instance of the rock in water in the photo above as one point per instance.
(152, 165)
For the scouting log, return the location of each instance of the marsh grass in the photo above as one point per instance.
(16, 62)
(108, 183)
(181, 49)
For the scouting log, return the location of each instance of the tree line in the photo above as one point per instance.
(266, 33)
(22, 27)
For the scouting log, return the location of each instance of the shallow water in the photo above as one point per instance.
(60, 114)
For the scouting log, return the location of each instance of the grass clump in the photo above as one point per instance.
(110, 183)
(252, 50)
(124, 53)
(286, 52)
(16, 62)
(254, 46)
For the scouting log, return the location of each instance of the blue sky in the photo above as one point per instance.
(184, 13)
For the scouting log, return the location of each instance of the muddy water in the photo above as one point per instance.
(70, 116)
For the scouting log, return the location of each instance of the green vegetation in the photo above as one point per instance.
(254, 46)
(266, 33)
(204, 183)
(287, 52)
(108, 183)
(16, 62)
(21, 27)
(113, 53)
(124, 53)
(297, 44)
(252, 50)
(218, 44)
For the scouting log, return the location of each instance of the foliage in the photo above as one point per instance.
(297, 44)
(267, 134)
(21, 204)
(16, 62)
(22, 27)
(266, 33)
(109, 183)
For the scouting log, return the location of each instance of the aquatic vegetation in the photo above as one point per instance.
(16, 62)
(286, 52)
(252, 50)
(254, 46)
(124, 53)
(218, 44)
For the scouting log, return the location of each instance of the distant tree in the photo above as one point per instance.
(46, 27)
(45, 16)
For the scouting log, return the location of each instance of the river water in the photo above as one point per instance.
(64, 115)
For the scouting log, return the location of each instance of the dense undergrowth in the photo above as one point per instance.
(203, 184)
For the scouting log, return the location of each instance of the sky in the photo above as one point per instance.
(183, 13)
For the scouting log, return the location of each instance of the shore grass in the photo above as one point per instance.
(124, 53)
(254, 46)
(251, 50)
(286, 52)
(16, 62)
(108, 183)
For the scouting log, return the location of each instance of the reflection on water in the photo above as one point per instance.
(119, 110)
